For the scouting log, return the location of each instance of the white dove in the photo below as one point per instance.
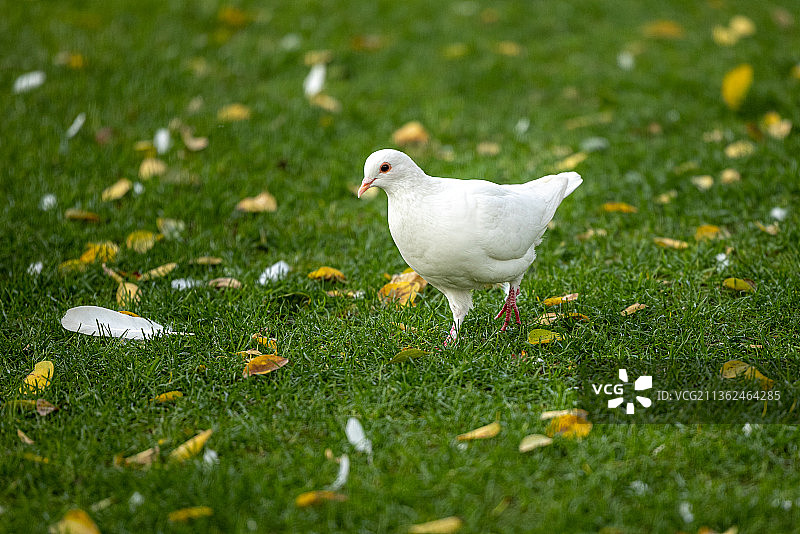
(461, 235)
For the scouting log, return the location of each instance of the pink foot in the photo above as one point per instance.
(451, 338)
(511, 304)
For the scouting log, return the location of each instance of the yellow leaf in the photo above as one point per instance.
(310, 498)
(151, 167)
(775, 126)
(233, 113)
(663, 29)
(347, 293)
(185, 514)
(534, 441)
(570, 162)
(206, 260)
(744, 285)
(169, 396)
(549, 318)
(327, 273)
(539, 336)
(263, 364)
(569, 426)
(400, 293)
(508, 48)
(488, 149)
(448, 525)
(772, 229)
(736, 368)
(140, 459)
(633, 308)
(233, 17)
(552, 301)
(484, 432)
(38, 379)
(105, 251)
(71, 266)
(739, 149)
(116, 191)
(257, 204)
(312, 57)
(621, 207)
(125, 312)
(666, 198)
(407, 354)
(668, 242)
(142, 240)
(158, 272)
(75, 521)
(729, 176)
(736, 84)
(191, 447)
(24, 437)
(74, 214)
(724, 36)
(269, 342)
(550, 414)
(326, 102)
(411, 133)
(742, 26)
(35, 458)
(592, 232)
(225, 283)
(703, 183)
(127, 294)
(707, 231)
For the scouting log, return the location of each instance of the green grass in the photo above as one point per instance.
(271, 432)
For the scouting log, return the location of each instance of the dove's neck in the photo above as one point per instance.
(414, 185)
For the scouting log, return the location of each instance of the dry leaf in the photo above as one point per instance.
(570, 162)
(127, 294)
(620, 207)
(169, 396)
(326, 102)
(742, 26)
(775, 126)
(551, 414)
(411, 133)
(192, 143)
(592, 232)
(539, 336)
(633, 308)
(311, 498)
(158, 272)
(105, 252)
(233, 113)
(534, 441)
(569, 426)
(707, 232)
(703, 183)
(75, 521)
(662, 29)
(407, 354)
(771, 229)
(349, 293)
(116, 191)
(668, 242)
(736, 84)
(724, 36)
(736, 368)
(193, 512)
(745, 285)
(225, 283)
(400, 293)
(24, 437)
(142, 240)
(74, 214)
(191, 447)
(666, 198)
(448, 525)
(740, 149)
(257, 204)
(269, 342)
(206, 260)
(327, 273)
(248, 354)
(151, 167)
(263, 364)
(140, 459)
(552, 301)
(729, 176)
(41, 406)
(38, 379)
(488, 149)
(484, 432)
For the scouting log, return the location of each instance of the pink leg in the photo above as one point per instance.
(511, 304)
(451, 338)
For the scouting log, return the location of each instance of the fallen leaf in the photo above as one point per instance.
(257, 204)
(158, 272)
(729, 176)
(24, 437)
(736, 368)
(592, 232)
(311, 498)
(233, 113)
(569, 426)
(142, 240)
(225, 283)
(740, 149)
(771, 229)
(663, 29)
(326, 102)
(263, 364)
(549, 318)
(633, 308)
(724, 36)
(411, 133)
(35, 458)
(151, 167)
(448, 525)
(742, 26)
(193, 512)
(75, 521)
(484, 432)
(776, 126)
(191, 447)
(552, 301)
(140, 459)
(38, 379)
(667, 242)
(269, 342)
(327, 273)
(349, 293)
(407, 354)
(74, 214)
(604, 117)
(620, 207)
(400, 293)
(169, 396)
(551, 414)
(116, 191)
(71, 266)
(248, 354)
(570, 162)
(736, 84)
(40, 406)
(488, 149)
(127, 294)
(539, 336)
(206, 260)
(745, 285)
(704, 182)
(105, 252)
(707, 232)
(192, 143)
(534, 441)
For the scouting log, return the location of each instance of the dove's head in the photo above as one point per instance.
(385, 168)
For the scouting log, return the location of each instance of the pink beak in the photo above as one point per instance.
(364, 186)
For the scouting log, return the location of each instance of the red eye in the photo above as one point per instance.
(385, 167)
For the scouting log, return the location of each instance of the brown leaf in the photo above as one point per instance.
(263, 364)
(633, 308)
(74, 214)
(24, 437)
(225, 283)
(262, 202)
(206, 260)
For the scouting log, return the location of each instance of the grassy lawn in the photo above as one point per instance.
(507, 91)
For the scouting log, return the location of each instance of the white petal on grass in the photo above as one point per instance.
(341, 477)
(315, 81)
(29, 81)
(162, 140)
(778, 214)
(274, 272)
(685, 510)
(522, 126)
(626, 60)
(356, 436)
(35, 268)
(76, 125)
(210, 457)
(48, 202)
(135, 501)
(186, 283)
(138, 188)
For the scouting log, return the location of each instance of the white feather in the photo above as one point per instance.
(341, 477)
(97, 321)
(356, 436)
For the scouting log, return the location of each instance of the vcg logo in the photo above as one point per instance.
(618, 391)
